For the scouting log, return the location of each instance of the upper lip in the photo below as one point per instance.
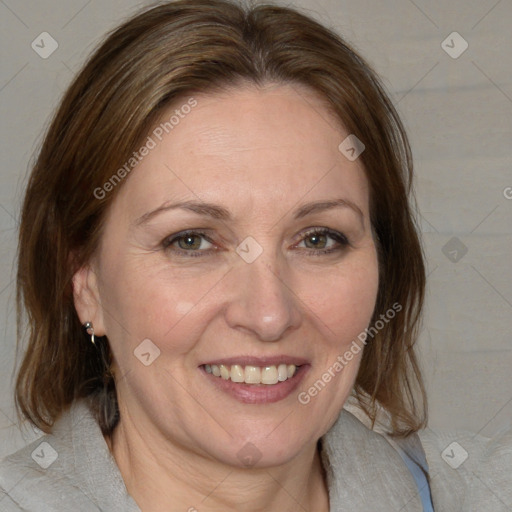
(259, 361)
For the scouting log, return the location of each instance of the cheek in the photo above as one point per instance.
(343, 301)
(142, 300)
(183, 307)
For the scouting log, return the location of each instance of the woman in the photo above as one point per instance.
(217, 254)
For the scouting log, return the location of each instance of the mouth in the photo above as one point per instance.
(255, 381)
(249, 374)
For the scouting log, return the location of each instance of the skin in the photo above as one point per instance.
(261, 153)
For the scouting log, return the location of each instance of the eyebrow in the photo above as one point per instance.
(219, 212)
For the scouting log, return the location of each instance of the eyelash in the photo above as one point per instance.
(340, 238)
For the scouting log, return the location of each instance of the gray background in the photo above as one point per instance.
(458, 112)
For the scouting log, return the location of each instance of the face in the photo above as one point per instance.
(240, 245)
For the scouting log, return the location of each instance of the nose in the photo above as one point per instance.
(262, 303)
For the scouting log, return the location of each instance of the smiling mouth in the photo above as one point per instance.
(248, 374)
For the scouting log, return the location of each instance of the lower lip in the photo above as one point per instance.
(258, 393)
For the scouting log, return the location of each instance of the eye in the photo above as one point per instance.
(190, 242)
(316, 241)
(323, 240)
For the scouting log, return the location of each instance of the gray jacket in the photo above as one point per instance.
(73, 470)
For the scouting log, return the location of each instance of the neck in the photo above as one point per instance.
(158, 473)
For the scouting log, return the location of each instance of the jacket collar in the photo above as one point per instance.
(364, 472)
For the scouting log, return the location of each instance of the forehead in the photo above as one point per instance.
(265, 148)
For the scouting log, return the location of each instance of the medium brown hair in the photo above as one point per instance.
(164, 53)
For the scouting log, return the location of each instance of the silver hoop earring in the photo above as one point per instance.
(90, 331)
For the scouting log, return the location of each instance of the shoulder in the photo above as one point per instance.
(468, 471)
(38, 476)
(32, 476)
(70, 469)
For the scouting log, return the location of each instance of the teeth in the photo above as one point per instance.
(224, 372)
(269, 375)
(253, 374)
(237, 373)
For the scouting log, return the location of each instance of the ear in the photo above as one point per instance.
(86, 297)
